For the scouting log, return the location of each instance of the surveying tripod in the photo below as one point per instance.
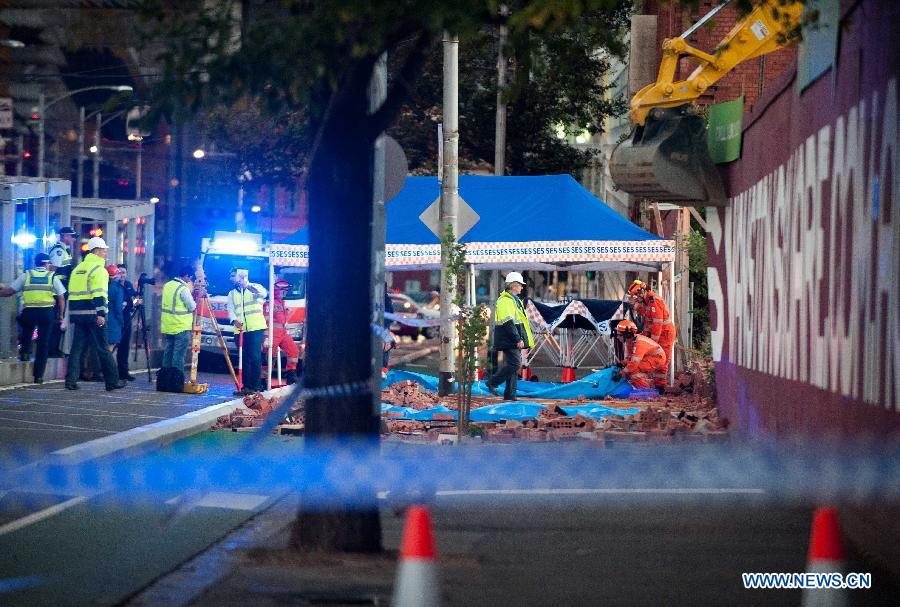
(141, 325)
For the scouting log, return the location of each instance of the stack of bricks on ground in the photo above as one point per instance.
(681, 416)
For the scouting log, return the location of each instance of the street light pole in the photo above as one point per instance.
(80, 186)
(96, 175)
(41, 107)
(138, 168)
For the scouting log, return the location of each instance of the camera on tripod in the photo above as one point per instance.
(144, 279)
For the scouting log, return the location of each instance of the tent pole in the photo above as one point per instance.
(271, 322)
(671, 298)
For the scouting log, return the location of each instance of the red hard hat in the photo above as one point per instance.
(636, 286)
(626, 326)
(282, 285)
(113, 269)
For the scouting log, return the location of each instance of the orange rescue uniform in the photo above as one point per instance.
(658, 326)
(646, 365)
(280, 334)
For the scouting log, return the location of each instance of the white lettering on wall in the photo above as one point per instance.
(812, 263)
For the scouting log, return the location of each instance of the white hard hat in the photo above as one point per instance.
(96, 243)
(515, 277)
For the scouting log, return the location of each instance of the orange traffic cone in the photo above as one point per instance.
(826, 555)
(416, 583)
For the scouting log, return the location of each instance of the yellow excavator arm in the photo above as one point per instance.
(769, 27)
(667, 157)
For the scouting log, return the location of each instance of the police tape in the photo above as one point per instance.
(354, 474)
(420, 322)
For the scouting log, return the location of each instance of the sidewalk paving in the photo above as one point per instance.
(38, 419)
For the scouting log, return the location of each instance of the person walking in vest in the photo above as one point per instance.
(245, 311)
(280, 335)
(177, 318)
(654, 313)
(512, 334)
(42, 306)
(88, 301)
(645, 364)
(61, 263)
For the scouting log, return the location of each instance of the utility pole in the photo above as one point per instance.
(80, 186)
(41, 104)
(96, 174)
(500, 132)
(448, 207)
(377, 96)
(139, 169)
(20, 148)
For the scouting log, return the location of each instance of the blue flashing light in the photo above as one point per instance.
(236, 245)
(24, 240)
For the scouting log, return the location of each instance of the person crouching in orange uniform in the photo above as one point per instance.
(645, 363)
(280, 334)
(658, 326)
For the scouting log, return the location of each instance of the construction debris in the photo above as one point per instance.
(685, 412)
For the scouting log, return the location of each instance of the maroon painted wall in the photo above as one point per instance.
(804, 263)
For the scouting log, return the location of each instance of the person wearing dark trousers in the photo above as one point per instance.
(124, 349)
(61, 264)
(177, 318)
(512, 334)
(42, 293)
(245, 311)
(388, 341)
(88, 297)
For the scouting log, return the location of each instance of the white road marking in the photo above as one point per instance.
(98, 414)
(605, 491)
(24, 421)
(17, 428)
(40, 515)
(232, 501)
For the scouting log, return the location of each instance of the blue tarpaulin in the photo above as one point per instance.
(517, 411)
(597, 385)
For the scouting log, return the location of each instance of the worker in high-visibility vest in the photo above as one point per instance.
(42, 293)
(177, 318)
(88, 300)
(280, 335)
(245, 311)
(512, 334)
(657, 324)
(645, 364)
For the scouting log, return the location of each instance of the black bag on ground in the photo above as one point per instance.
(170, 379)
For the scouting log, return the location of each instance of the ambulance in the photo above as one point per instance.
(228, 250)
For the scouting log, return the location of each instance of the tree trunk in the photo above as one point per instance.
(339, 312)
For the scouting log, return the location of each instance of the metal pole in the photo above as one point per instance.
(20, 144)
(140, 153)
(41, 101)
(271, 323)
(377, 94)
(448, 207)
(500, 131)
(80, 186)
(671, 298)
(96, 175)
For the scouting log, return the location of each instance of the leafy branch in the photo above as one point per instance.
(471, 326)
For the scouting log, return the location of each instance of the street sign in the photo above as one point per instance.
(466, 217)
(396, 167)
(6, 113)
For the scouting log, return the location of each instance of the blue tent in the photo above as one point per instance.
(540, 223)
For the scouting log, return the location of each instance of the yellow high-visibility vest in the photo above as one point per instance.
(176, 318)
(508, 307)
(88, 288)
(37, 291)
(248, 309)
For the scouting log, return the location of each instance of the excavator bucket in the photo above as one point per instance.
(667, 160)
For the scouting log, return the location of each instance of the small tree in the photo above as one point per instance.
(471, 328)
